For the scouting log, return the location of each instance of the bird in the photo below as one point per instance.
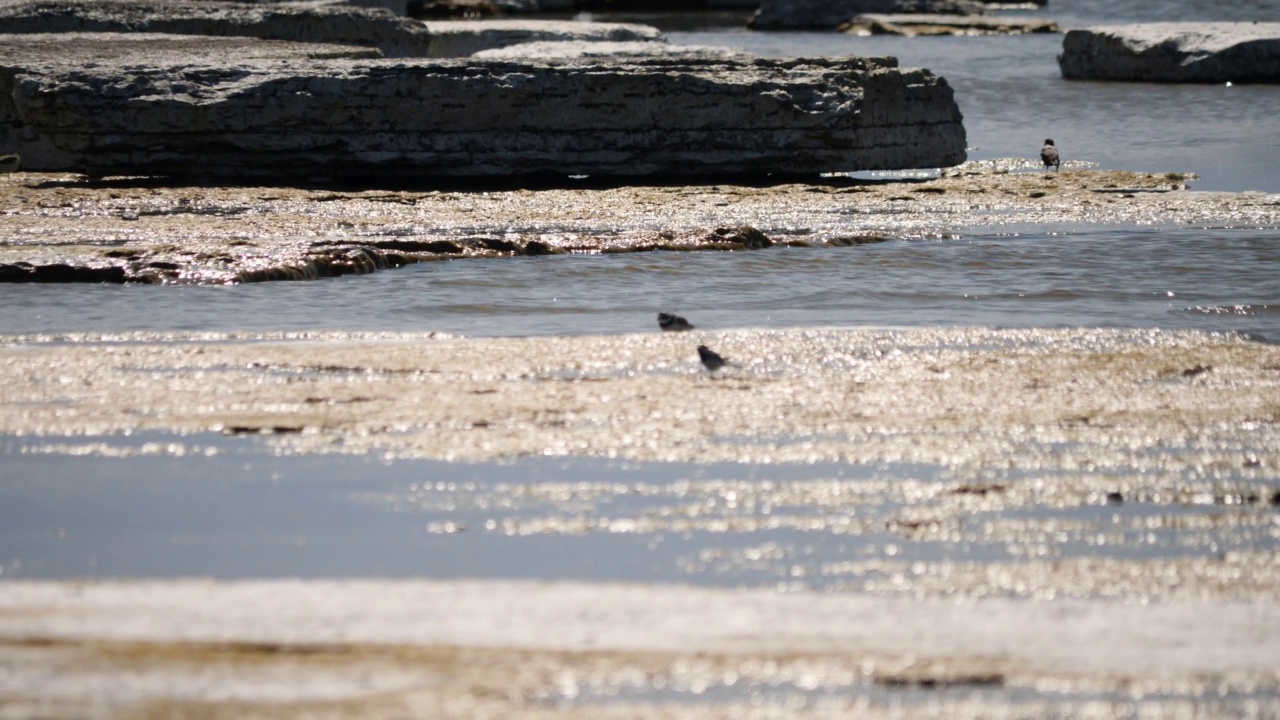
(1049, 156)
(673, 323)
(10, 163)
(711, 359)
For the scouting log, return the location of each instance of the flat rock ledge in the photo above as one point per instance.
(291, 117)
(923, 24)
(62, 228)
(604, 49)
(831, 14)
(463, 38)
(1174, 52)
(393, 35)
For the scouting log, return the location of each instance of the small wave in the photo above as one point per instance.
(1242, 309)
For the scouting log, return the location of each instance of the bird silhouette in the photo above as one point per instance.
(1049, 156)
(673, 323)
(711, 360)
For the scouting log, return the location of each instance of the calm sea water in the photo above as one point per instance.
(1013, 96)
(1204, 279)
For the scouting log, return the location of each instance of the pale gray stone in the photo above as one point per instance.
(312, 22)
(924, 24)
(460, 38)
(830, 14)
(1174, 52)
(54, 53)
(603, 49)
(303, 117)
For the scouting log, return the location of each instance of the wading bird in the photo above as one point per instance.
(1049, 156)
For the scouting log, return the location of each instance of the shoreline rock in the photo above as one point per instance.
(317, 22)
(464, 38)
(831, 14)
(921, 24)
(301, 118)
(152, 232)
(567, 49)
(1174, 52)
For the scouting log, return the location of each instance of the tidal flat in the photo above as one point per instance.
(843, 521)
(60, 228)
(880, 521)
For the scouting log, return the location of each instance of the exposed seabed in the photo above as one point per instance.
(847, 521)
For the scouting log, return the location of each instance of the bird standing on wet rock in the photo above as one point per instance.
(710, 359)
(1049, 156)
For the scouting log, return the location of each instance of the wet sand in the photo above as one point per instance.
(498, 649)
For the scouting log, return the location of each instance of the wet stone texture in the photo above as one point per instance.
(62, 227)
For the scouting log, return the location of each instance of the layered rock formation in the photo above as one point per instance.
(1174, 52)
(23, 56)
(830, 14)
(461, 38)
(394, 36)
(922, 24)
(289, 117)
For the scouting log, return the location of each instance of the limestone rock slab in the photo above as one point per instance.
(579, 49)
(1174, 52)
(460, 38)
(58, 51)
(305, 22)
(374, 118)
(923, 24)
(830, 14)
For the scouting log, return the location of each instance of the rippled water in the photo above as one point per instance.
(1013, 96)
(1202, 279)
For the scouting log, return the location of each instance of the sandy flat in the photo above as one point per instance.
(363, 648)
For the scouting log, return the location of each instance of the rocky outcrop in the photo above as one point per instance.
(460, 38)
(912, 25)
(598, 49)
(320, 23)
(374, 118)
(831, 14)
(23, 55)
(1174, 52)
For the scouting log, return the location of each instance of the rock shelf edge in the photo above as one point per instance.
(326, 117)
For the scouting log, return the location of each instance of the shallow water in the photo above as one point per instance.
(1186, 279)
(208, 505)
(1013, 96)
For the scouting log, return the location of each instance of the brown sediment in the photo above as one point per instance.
(62, 228)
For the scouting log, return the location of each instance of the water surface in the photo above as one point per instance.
(1186, 279)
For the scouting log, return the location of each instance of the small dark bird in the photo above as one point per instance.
(1049, 156)
(10, 163)
(710, 359)
(673, 323)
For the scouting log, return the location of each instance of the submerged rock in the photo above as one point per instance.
(831, 14)
(1174, 52)
(921, 24)
(134, 114)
